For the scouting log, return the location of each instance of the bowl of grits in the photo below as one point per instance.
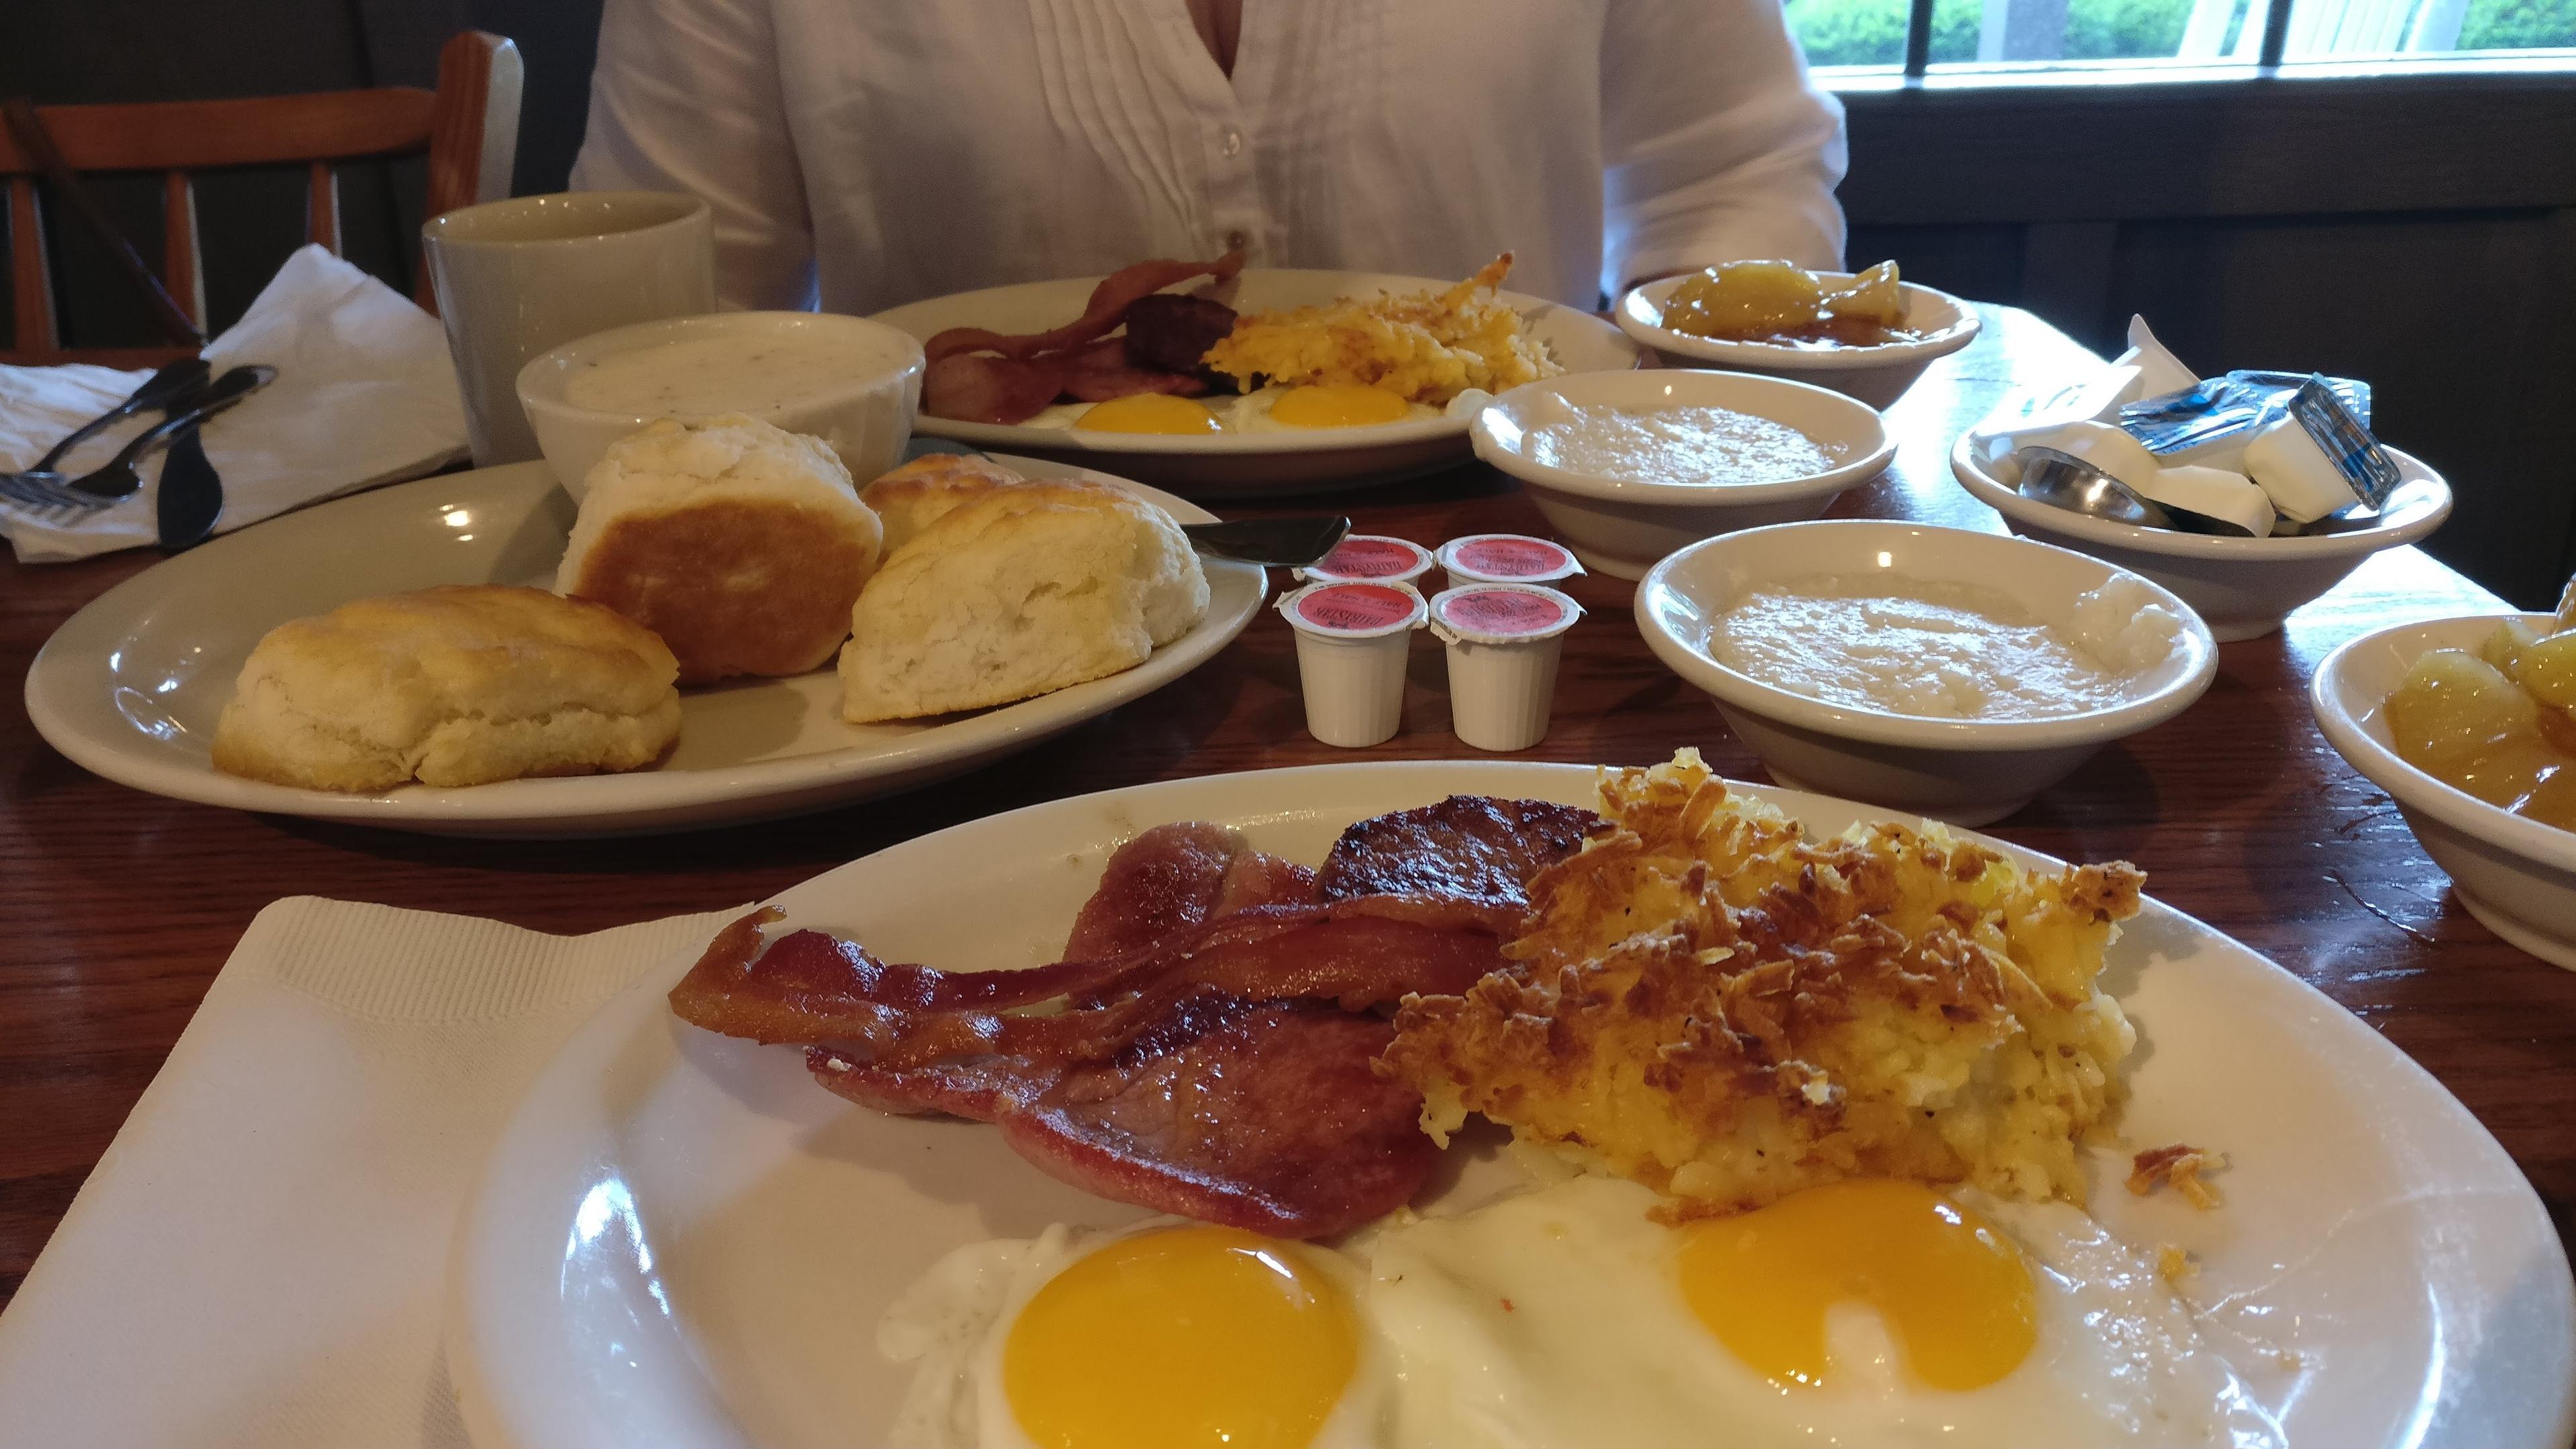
(1936, 324)
(849, 381)
(1629, 466)
(1951, 674)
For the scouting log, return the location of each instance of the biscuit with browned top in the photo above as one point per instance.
(741, 544)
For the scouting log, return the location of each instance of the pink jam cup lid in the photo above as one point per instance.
(1374, 557)
(1502, 613)
(1354, 610)
(1508, 558)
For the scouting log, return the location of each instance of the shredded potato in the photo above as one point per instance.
(1705, 1001)
(1422, 347)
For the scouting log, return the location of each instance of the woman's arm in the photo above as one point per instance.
(1714, 145)
(686, 97)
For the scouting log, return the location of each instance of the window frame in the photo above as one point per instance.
(2269, 61)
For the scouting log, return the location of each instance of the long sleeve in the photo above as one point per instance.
(687, 97)
(1715, 145)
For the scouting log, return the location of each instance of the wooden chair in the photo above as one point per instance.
(468, 127)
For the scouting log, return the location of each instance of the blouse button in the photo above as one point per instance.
(1233, 141)
(1237, 239)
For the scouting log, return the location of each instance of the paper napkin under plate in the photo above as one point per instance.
(365, 394)
(260, 1260)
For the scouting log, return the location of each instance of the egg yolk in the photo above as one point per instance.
(1149, 412)
(1186, 1339)
(1954, 1292)
(1336, 405)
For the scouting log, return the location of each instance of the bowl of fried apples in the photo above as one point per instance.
(1867, 334)
(2470, 726)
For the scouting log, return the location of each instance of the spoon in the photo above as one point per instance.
(2071, 483)
(1288, 542)
(2061, 481)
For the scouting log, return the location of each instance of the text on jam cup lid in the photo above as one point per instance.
(1509, 556)
(1359, 608)
(1502, 613)
(1371, 556)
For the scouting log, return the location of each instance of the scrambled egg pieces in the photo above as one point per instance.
(1706, 1002)
(1421, 347)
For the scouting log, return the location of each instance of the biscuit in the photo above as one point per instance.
(914, 496)
(1017, 592)
(460, 685)
(741, 544)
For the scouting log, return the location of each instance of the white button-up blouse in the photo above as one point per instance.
(866, 153)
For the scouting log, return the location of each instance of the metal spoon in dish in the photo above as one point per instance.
(1287, 542)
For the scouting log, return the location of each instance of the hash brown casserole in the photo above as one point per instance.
(1421, 346)
(1705, 1001)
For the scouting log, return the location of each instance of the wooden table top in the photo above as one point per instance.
(121, 906)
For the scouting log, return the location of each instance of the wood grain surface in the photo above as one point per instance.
(120, 906)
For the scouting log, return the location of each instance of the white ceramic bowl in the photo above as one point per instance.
(1967, 772)
(1877, 376)
(2516, 875)
(2242, 586)
(1621, 526)
(866, 414)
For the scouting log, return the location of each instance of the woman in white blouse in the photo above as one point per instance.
(864, 153)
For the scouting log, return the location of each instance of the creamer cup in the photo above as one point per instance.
(1352, 639)
(1371, 558)
(1503, 643)
(1507, 558)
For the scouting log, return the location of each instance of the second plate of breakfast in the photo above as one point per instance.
(1220, 381)
(1487, 1103)
(397, 658)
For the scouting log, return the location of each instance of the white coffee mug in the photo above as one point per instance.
(515, 278)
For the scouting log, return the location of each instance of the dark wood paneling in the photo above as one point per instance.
(2411, 230)
(2285, 146)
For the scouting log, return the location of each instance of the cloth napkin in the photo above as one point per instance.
(364, 395)
(260, 1259)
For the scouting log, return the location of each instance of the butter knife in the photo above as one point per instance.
(191, 496)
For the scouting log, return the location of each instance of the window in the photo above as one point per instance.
(1873, 35)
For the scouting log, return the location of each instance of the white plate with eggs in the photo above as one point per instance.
(131, 686)
(1258, 454)
(682, 1240)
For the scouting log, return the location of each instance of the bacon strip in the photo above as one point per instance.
(1164, 880)
(1215, 1053)
(1266, 1116)
(1108, 304)
(812, 987)
(976, 388)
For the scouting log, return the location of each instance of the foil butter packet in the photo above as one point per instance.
(2212, 422)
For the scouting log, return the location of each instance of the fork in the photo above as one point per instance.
(172, 384)
(119, 479)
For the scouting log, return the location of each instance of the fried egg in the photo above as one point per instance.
(1172, 1335)
(1269, 410)
(1870, 1313)
(1323, 405)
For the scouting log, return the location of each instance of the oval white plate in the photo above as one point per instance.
(130, 687)
(681, 1240)
(1245, 465)
(1876, 375)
